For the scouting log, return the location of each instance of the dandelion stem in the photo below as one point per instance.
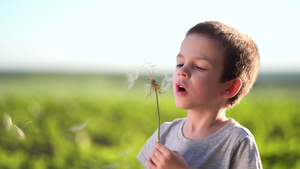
(158, 116)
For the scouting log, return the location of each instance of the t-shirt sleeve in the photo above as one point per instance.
(147, 150)
(246, 155)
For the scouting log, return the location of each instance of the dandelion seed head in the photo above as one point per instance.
(154, 85)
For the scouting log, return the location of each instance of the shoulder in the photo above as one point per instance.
(238, 131)
(174, 125)
(244, 149)
(233, 135)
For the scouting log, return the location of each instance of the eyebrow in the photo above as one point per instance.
(202, 57)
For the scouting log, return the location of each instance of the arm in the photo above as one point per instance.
(163, 158)
(246, 155)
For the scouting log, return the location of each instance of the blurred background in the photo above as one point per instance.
(64, 98)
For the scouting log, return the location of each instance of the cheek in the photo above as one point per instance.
(205, 88)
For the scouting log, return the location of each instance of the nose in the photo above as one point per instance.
(183, 72)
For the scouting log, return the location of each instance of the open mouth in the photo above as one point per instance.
(181, 88)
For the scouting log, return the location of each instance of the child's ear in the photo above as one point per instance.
(232, 88)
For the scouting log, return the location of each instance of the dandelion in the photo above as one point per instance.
(153, 87)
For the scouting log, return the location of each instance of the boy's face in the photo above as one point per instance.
(196, 78)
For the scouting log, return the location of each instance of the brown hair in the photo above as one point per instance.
(241, 57)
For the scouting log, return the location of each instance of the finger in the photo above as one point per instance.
(151, 164)
(154, 158)
(161, 148)
(157, 153)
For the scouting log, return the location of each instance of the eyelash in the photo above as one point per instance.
(180, 65)
(200, 68)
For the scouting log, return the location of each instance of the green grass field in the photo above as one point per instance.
(93, 121)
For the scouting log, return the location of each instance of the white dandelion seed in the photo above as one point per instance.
(19, 133)
(26, 124)
(166, 83)
(147, 87)
(11, 127)
(79, 126)
(125, 153)
(131, 79)
(7, 121)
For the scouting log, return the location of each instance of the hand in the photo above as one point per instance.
(164, 158)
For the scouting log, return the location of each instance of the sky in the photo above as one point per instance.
(120, 36)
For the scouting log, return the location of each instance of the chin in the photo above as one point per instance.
(181, 105)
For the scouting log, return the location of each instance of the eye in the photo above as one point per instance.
(179, 65)
(200, 68)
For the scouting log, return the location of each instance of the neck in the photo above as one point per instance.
(200, 124)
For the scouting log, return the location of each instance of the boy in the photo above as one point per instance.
(216, 66)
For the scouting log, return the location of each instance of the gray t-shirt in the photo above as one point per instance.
(232, 147)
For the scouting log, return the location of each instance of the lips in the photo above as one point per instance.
(180, 88)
